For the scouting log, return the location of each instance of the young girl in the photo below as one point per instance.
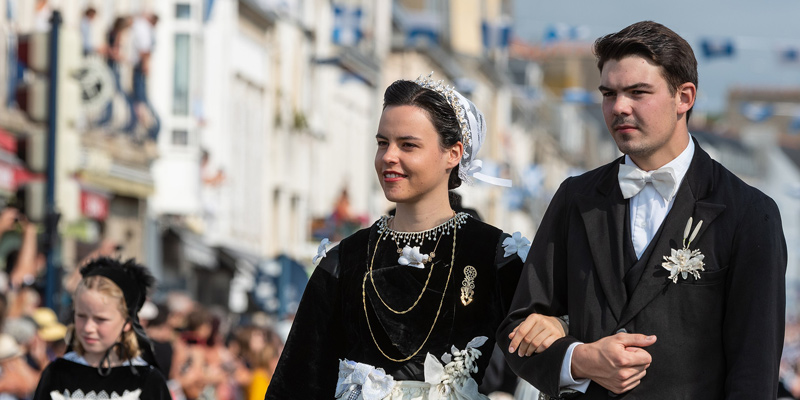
(107, 339)
(408, 308)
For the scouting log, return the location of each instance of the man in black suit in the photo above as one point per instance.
(706, 323)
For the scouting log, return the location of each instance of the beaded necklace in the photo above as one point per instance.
(419, 237)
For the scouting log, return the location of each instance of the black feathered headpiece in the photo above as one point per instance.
(135, 281)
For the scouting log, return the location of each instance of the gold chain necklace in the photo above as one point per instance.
(441, 302)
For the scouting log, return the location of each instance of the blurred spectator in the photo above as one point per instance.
(144, 43)
(789, 385)
(23, 265)
(264, 361)
(23, 330)
(87, 39)
(179, 305)
(163, 336)
(114, 57)
(42, 14)
(200, 372)
(17, 379)
(51, 332)
(211, 179)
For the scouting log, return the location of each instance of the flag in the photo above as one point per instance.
(421, 27)
(718, 48)
(496, 35)
(757, 112)
(562, 32)
(790, 55)
(577, 95)
(347, 25)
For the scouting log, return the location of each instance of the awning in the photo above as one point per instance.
(194, 248)
(245, 266)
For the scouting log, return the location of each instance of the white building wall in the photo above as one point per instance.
(176, 171)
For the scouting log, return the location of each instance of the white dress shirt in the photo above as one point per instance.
(648, 209)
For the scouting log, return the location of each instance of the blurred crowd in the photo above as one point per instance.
(790, 361)
(204, 353)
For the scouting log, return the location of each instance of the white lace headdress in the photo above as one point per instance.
(473, 131)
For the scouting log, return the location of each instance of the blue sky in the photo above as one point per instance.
(758, 28)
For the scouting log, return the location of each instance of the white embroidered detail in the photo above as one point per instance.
(516, 244)
(322, 251)
(453, 380)
(102, 395)
(364, 379)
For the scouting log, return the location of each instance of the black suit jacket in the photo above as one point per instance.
(718, 337)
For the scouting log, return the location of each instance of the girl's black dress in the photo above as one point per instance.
(66, 379)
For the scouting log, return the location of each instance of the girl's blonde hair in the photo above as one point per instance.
(130, 345)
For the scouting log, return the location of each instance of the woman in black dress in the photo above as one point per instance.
(408, 308)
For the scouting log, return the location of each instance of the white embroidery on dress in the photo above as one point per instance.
(102, 395)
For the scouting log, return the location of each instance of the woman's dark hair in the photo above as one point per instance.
(654, 42)
(440, 113)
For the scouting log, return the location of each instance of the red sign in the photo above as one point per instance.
(8, 142)
(94, 204)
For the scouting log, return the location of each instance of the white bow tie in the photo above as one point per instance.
(632, 180)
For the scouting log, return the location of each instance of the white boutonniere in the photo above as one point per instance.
(516, 244)
(685, 261)
(412, 257)
(322, 251)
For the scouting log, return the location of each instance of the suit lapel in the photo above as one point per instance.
(603, 217)
(688, 203)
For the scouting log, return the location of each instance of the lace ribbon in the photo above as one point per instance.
(358, 378)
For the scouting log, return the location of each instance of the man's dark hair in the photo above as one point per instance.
(440, 113)
(654, 42)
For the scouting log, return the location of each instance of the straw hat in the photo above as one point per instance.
(8, 347)
(50, 329)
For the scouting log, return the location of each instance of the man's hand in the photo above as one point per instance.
(535, 334)
(617, 363)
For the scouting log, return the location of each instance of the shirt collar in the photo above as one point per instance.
(679, 164)
(78, 359)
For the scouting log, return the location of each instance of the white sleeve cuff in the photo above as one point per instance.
(566, 382)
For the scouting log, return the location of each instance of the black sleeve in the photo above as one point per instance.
(542, 289)
(754, 321)
(155, 386)
(309, 364)
(508, 273)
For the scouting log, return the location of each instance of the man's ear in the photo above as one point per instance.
(687, 93)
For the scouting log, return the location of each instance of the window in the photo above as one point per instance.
(180, 88)
(183, 11)
(180, 137)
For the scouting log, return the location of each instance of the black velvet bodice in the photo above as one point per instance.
(330, 324)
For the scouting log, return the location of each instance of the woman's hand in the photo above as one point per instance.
(535, 334)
